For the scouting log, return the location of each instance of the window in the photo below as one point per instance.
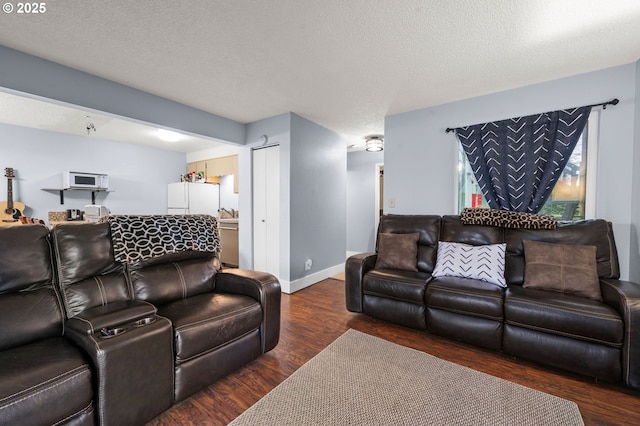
(573, 197)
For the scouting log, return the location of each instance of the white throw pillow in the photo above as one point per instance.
(484, 263)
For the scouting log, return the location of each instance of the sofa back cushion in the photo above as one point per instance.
(476, 235)
(428, 228)
(88, 275)
(595, 232)
(173, 277)
(29, 306)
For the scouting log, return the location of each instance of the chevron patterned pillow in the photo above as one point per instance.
(485, 263)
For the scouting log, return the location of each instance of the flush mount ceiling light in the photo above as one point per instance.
(168, 135)
(374, 143)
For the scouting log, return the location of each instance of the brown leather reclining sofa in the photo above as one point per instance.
(600, 339)
(91, 337)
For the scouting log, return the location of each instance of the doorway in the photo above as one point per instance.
(379, 194)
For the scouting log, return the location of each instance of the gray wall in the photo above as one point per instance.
(278, 131)
(138, 175)
(312, 196)
(361, 188)
(420, 158)
(35, 76)
(318, 178)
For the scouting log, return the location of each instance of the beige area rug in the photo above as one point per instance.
(364, 380)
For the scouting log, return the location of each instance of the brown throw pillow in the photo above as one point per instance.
(398, 251)
(560, 267)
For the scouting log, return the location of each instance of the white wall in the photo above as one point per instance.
(361, 195)
(138, 175)
(228, 199)
(420, 156)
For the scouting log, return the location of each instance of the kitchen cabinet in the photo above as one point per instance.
(222, 166)
(213, 167)
(197, 166)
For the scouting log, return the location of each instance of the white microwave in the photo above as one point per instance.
(80, 180)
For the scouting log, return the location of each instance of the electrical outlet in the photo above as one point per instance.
(392, 203)
(308, 264)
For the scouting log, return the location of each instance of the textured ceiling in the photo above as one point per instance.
(343, 64)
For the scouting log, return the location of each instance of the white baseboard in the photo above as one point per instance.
(293, 286)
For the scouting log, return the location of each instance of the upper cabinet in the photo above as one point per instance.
(213, 168)
(197, 166)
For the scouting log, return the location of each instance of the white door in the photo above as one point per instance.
(266, 210)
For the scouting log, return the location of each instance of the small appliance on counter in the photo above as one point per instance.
(74, 214)
(93, 213)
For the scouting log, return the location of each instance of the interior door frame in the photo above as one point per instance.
(379, 203)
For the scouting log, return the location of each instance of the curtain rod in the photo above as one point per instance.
(614, 101)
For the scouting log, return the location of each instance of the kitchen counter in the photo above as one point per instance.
(229, 220)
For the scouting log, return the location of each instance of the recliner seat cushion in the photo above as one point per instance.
(466, 296)
(208, 321)
(43, 383)
(563, 314)
(396, 284)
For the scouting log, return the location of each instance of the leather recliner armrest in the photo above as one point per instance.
(355, 268)
(110, 316)
(263, 287)
(624, 296)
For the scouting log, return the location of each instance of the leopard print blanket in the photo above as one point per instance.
(506, 219)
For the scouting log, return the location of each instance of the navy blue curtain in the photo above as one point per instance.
(518, 161)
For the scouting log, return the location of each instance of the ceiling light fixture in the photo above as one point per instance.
(374, 143)
(168, 135)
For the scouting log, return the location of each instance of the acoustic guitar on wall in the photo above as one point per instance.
(10, 212)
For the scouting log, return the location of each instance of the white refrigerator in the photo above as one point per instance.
(193, 198)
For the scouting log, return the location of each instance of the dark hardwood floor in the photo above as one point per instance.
(312, 318)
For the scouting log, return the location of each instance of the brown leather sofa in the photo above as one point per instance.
(39, 368)
(574, 333)
(126, 339)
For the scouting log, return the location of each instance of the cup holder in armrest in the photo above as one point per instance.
(144, 321)
(106, 333)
